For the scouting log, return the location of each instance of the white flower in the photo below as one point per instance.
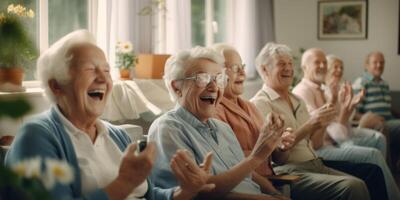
(30, 13)
(19, 10)
(60, 171)
(2, 17)
(126, 47)
(48, 181)
(10, 8)
(29, 168)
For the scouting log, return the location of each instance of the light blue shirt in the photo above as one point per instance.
(179, 129)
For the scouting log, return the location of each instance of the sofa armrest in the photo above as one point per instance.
(134, 132)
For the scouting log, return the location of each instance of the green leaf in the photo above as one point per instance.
(14, 108)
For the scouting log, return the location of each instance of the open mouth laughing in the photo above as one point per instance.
(96, 94)
(211, 99)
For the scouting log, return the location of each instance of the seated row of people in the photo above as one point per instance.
(213, 144)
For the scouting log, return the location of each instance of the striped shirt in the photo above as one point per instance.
(377, 96)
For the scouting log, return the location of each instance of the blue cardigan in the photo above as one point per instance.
(45, 136)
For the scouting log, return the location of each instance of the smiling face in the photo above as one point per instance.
(335, 71)
(279, 73)
(201, 101)
(85, 95)
(315, 68)
(376, 64)
(234, 87)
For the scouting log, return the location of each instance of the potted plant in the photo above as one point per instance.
(151, 66)
(125, 59)
(17, 48)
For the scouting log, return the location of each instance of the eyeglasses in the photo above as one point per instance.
(237, 67)
(203, 79)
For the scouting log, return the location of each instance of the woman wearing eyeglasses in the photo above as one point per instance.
(196, 80)
(244, 118)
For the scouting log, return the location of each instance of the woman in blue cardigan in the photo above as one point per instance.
(76, 78)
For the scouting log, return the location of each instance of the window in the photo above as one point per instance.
(65, 17)
(208, 17)
(53, 19)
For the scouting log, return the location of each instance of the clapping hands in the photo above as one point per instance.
(322, 116)
(287, 139)
(269, 137)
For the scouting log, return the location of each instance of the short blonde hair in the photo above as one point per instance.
(331, 59)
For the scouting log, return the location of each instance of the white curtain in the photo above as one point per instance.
(120, 21)
(173, 32)
(249, 26)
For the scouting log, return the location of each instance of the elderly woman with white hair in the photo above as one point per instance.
(244, 118)
(340, 130)
(275, 65)
(76, 77)
(196, 80)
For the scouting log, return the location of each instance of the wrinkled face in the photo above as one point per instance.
(235, 73)
(280, 73)
(201, 101)
(376, 65)
(336, 70)
(86, 93)
(316, 67)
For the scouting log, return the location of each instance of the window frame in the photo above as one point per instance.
(42, 36)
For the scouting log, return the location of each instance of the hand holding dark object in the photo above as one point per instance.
(142, 143)
(135, 168)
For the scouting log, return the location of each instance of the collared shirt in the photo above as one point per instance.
(246, 122)
(99, 161)
(377, 96)
(180, 129)
(268, 100)
(311, 93)
(314, 97)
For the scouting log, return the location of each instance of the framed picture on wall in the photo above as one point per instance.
(342, 19)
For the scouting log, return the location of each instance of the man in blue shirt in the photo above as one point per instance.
(377, 101)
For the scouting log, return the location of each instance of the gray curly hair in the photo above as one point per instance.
(267, 53)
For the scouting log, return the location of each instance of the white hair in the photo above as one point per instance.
(331, 59)
(54, 63)
(307, 54)
(176, 65)
(267, 53)
(221, 48)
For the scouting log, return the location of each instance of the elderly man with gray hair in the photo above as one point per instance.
(362, 149)
(76, 78)
(196, 80)
(274, 65)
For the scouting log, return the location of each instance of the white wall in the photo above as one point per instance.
(296, 26)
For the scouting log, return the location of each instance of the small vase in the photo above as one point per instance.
(151, 66)
(125, 74)
(14, 75)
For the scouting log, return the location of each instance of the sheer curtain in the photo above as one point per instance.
(120, 21)
(173, 32)
(249, 27)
